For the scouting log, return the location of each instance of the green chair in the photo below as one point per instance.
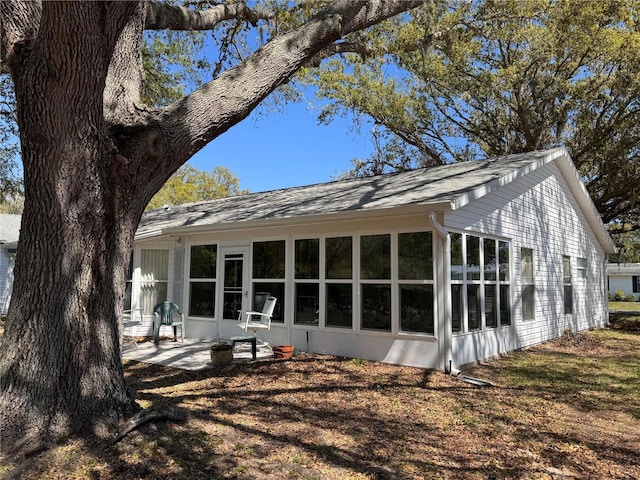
(166, 313)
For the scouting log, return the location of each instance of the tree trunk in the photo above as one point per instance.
(93, 157)
(60, 370)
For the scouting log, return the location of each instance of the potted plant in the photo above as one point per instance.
(221, 353)
(283, 351)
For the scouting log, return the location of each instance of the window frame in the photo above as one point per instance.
(308, 281)
(328, 281)
(191, 280)
(384, 286)
(567, 285)
(463, 282)
(417, 283)
(278, 317)
(528, 285)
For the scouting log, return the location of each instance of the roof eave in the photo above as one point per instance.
(345, 216)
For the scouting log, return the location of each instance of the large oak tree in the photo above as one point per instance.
(94, 154)
(467, 79)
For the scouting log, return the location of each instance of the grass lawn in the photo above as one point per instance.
(624, 306)
(569, 408)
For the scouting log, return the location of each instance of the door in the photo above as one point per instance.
(235, 291)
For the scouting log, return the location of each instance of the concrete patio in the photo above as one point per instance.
(190, 355)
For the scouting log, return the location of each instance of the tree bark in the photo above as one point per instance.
(93, 157)
(61, 371)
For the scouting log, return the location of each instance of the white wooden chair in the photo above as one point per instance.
(265, 315)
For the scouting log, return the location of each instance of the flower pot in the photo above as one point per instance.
(283, 351)
(221, 355)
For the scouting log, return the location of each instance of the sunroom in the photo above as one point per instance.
(431, 268)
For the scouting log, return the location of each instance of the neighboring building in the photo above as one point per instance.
(9, 232)
(625, 277)
(432, 268)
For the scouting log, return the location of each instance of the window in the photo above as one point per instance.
(415, 277)
(268, 270)
(457, 303)
(528, 284)
(268, 259)
(480, 285)
(339, 283)
(568, 288)
(154, 277)
(307, 286)
(375, 275)
(581, 268)
(636, 284)
(490, 287)
(472, 268)
(504, 280)
(202, 280)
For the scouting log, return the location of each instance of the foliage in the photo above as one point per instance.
(189, 184)
(464, 80)
(174, 64)
(627, 239)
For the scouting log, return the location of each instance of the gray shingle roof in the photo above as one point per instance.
(447, 186)
(623, 268)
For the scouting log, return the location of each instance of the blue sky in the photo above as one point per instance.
(278, 149)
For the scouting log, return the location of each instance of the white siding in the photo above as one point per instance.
(621, 282)
(6, 281)
(537, 211)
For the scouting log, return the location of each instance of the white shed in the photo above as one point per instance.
(431, 268)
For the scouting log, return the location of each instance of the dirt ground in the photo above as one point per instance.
(568, 409)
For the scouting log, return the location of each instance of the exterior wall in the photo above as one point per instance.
(622, 282)
(6, 281)
(536, 211)
(420, 350)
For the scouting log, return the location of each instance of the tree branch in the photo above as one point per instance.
(160, 16)
(217, 106)
(340, 48)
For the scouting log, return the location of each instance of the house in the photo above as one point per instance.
(9, 231)
(625, 277)
(433, 268)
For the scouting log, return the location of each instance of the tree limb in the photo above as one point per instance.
(218, 105)
(160, 16)
(143, 417)
(340, 48)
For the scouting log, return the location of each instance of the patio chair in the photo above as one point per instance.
(165, 315)
(265, 317)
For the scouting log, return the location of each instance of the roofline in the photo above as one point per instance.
(560, 154)
(351, 215)
(571, 174)
(493, 185)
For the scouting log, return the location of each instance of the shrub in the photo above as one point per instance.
(630, 298)
(619, 295)
(610, 296)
